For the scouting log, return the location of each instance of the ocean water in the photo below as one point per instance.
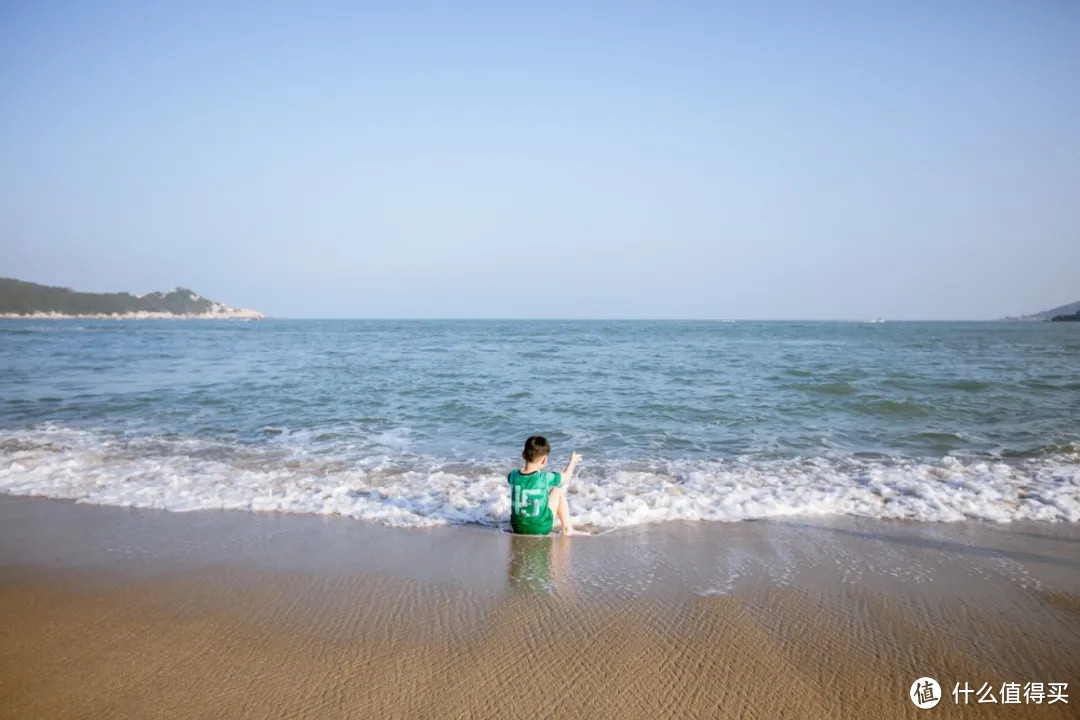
(417, 422)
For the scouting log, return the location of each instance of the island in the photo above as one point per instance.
(1062, 312)
(21, 299)
(1075, 317)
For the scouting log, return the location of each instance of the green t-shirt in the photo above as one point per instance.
(529, 511)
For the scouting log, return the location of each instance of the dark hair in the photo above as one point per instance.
(536, 447)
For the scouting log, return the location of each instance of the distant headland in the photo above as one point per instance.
(1063, 312)
(20, 299)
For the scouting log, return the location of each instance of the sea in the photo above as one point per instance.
(417, 423)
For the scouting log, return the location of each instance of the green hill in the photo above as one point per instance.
(1045, 315)
(18, 297)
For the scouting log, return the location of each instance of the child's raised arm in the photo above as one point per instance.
(568, 473)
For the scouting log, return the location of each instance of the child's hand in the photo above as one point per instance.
(575, 458)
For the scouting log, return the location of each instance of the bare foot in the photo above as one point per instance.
(568, 531)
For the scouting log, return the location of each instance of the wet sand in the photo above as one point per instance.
(111, 612)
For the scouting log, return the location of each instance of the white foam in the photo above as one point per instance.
(382, 483)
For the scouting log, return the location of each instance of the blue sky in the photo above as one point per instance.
(743, 160)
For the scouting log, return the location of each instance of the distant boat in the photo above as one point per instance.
(878, 320)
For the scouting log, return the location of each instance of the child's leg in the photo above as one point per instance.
(557, 500)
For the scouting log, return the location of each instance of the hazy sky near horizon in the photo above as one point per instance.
(717, 160)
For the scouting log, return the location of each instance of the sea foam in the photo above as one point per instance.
(393, 488)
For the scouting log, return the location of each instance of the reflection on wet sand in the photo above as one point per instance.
(538, 563)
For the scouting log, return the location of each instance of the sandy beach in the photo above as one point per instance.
(113, 612)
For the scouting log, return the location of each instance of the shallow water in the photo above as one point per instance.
(417, 422)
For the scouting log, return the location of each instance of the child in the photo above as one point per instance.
(534, 491)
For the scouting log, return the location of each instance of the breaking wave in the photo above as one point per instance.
(382, 482)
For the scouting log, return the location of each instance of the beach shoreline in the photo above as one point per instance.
(122, 612)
